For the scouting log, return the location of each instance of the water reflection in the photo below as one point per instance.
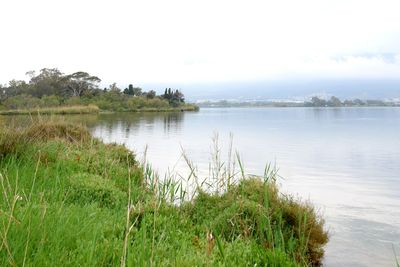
(347, 161)
(112, 123)
(135, 123)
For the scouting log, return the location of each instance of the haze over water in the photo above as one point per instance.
(346, 161)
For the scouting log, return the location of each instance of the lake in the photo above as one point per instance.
(346, 161)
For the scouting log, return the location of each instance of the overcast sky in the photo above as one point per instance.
(202, 41)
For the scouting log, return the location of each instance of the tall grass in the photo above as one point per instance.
(67, 199)
(395, 256)
(233, 205)
(53, 110)
(223, 174)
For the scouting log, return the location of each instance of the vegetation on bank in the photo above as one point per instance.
(313, 102)
(51, 89)
(91, 109)
(68, 199)
(53, 110)
(336, 102)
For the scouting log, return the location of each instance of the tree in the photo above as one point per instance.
(31, 74)
(137, 91)
(47, 82)
(375, 102)
(45, 74)
(317, 102)
(178, 96)
(16, 87)
(113, 88)
(347, 103)
(174, 97)
(129, 90)
(133, 91)
(334, 102)
(358, 102)
(168, 94)
(3, 91)
(151, 94)
(78, 83)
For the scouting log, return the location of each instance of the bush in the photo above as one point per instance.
(86, 188)
(157, 103)
(254, 210)
(22, 102)
(75, 100)
(45, 131)
(14, 140)
(51, 101)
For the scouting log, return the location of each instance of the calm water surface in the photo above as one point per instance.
(345, 160)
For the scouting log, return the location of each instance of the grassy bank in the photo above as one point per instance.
(92, 109)
(53, 110)
(68, 199)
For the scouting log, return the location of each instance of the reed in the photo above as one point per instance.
(68, 199)
(276, 221)
(53, 110)
(395, 256)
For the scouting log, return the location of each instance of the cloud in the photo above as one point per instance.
(192, 41)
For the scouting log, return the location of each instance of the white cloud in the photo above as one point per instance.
(190, 41)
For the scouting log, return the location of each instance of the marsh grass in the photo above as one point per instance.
(67, 199)
(232, 205)
(41, 130)
(92, 109)
(395, 256)
(53, 110)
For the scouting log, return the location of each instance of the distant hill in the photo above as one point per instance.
(291, 90)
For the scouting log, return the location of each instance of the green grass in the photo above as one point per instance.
(53, 110)
(70, 200)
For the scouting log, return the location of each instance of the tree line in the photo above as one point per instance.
(333, 101)
(51, 87)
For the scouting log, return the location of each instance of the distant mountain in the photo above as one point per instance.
(290, 90)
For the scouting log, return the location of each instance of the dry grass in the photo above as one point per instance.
(14, 139)
(53, 110)
(56, 130)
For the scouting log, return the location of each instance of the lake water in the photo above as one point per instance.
(346, 161)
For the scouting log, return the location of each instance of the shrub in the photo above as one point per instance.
(254, 210)
(57, 130)
(22, 101)
(13, 140)
(51, 101)
(86, 188)
(75, 100)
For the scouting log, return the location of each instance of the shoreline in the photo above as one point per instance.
(283, 106)
(111, 204)
(90, 109)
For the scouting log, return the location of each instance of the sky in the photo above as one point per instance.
(193, 42)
